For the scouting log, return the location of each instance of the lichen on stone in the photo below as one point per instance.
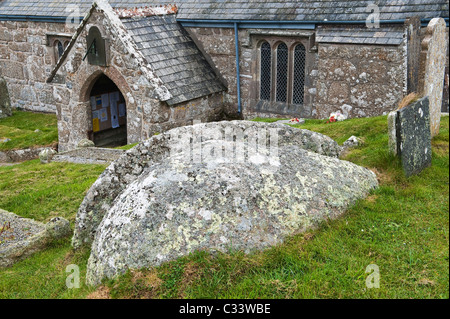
(172, 208)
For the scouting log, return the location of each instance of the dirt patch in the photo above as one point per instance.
(383, 178)
(308, 236)
(372, 198)
(101, 293)
(192, 273)
(426, 282)
(440, 148)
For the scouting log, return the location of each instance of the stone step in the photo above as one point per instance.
(89, 155)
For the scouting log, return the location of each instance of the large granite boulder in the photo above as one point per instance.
(157, 203)
(5, 103)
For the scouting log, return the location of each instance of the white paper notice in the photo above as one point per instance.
(95, 114)
(122, 110)
(105, 100)
(93, 103)
(114, 96)
(114, 117)
(103, 115)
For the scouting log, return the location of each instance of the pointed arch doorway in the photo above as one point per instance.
(108, 110)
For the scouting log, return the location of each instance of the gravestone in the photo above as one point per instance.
(412, 31)
(413, 136)
(5, 103)
(433, 56)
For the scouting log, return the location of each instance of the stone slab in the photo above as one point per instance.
(21, 237)
(414, 136)
(434, 46)
(5, 103)
(89, 155)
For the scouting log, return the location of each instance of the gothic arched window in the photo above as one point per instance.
(266, 71)
(59, 48)
(299, 74)
(282, 72)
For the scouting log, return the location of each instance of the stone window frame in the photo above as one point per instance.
(291, 42)
(52, 43)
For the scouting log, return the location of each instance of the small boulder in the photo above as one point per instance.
(58, 227)
(353, 141)
(46, 155)
(4, 157)
(85, 143)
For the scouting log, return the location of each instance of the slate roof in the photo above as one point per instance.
(174, 57)
(290, 10)
(382, 35)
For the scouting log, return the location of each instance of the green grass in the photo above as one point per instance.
(20, 127)
(402, 227)
(268, 120)
(126, 147)
(38, 191)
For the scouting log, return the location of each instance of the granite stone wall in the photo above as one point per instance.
(26, 60)
(5, 103)
(359, 80)
(219, 45)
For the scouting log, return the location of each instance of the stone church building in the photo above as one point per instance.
(118, 72)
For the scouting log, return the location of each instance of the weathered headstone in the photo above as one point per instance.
(5, 103)
(434, 48)
(410, 136)
(412, 31)
(392, 132)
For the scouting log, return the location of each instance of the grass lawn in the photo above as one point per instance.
(20, 129)
(402, 227)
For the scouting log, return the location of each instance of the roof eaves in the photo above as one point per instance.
(161, 91)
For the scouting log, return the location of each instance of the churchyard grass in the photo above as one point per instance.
(402, 228)
(20, 129)
(41, 192)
